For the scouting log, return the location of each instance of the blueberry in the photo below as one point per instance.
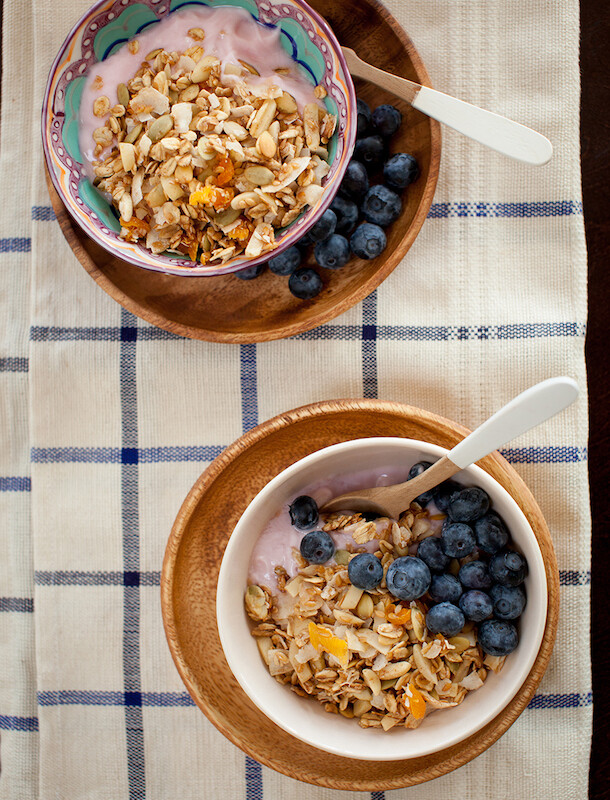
(509, 601)
(400, 170)
(457, 539)
(416, 470)
(408, 578)
(332, 253)
(303, 512)
(346, 212)
(508, 568)
(365, 571)
(468, 505)
(381, 205)
(305, 283)
(368, 241)
(248, 273)
(317, 547)
(497, 637)
(476, 605)
(355, 183)
(430, 550)
(444, 493)
(491, 533)
(324, 227)
(364, 118)
(475, 575)
(445, 618)
(370, 151)
(445, 588)
(387, 119)
(285, 263)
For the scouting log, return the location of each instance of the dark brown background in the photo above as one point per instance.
(595, 139)
(595, 144)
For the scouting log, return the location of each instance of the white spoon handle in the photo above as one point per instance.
(528, 409)
(498, 133)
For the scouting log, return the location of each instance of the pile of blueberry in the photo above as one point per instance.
(337, 234)
(474, 543)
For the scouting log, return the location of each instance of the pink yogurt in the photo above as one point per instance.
(276, 542)
(230, 34)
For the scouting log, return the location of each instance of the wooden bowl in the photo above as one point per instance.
(227, 309)
(190, 571)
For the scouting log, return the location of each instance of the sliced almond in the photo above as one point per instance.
(266, 145)
(263, 118)
(203, 69)
(286, 103)
(311, 125)
(128, 155)
(126, 207)
(172, 188)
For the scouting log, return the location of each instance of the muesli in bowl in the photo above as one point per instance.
(398, 619)
(387, 620)
(211, 137)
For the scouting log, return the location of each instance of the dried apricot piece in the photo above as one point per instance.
(225, 170)
(323, 639)
(417, 704)
(398, 617)
(239, 232)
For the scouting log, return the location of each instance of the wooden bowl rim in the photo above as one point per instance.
(416, 770)
(75, 235)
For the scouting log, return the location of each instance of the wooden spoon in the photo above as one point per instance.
(528, 409)
(498, 133)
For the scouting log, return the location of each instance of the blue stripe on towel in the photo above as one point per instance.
(16, 245)
(330, 332)
(11, 723)
(132, 678)
(117, 455)
(528, 210)
(20, 604)
(15, 483)
(14, 364)
(369, 346)
(249, 418)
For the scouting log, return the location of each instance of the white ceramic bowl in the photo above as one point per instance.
(305, 718)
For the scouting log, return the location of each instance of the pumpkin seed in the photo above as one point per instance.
(160, 127)
(122, 93)
(258, 175)
(134, 133)
(227, 217)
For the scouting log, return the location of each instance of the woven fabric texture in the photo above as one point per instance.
(107, 422)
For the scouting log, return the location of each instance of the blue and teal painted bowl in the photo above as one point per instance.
(305, 36)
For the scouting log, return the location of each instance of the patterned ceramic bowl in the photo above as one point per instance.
(102, 31)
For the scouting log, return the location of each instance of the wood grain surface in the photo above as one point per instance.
(227, 309)
(190, 572)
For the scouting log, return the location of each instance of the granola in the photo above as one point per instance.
(203, 163)
(363, 654)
